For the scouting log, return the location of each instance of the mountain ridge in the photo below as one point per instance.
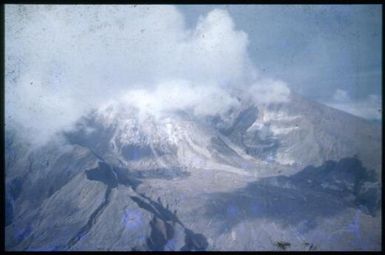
(206, 171)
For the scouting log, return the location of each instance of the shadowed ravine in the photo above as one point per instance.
(92, 220)
(300, 199)
(162, 224)
(122, 183)
(105, 174)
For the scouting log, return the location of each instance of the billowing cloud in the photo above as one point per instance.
(62, 61)
(368, 108)
(175, 95)
(269, 91)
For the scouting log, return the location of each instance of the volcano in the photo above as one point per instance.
(295, 175)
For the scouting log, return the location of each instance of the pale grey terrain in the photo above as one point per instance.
(286, 176)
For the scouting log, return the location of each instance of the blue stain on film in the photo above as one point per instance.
(132, 219)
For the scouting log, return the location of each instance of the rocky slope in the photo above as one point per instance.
(289, 176)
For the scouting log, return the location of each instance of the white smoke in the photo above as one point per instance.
(62, 61)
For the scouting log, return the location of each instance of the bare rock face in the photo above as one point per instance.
(289, 176)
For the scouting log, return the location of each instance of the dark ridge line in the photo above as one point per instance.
(91, 221)
(158, 240)
(97, 212)
(160, 213)
(93, 152)
(193, 241)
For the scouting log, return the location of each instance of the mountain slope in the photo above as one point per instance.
(294, 175)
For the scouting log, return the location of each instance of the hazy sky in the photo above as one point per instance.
(319, 50)
(62, 61)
